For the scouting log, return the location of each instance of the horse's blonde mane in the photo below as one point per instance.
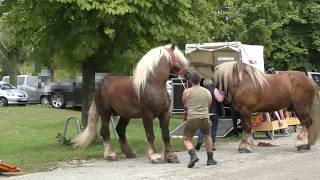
(149, 62)
(224, 73)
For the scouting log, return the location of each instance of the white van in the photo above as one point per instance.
(38, 92)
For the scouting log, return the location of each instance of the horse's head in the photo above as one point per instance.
(178, 62)
(171, 58)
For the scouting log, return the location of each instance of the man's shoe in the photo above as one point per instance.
(211, 162)
(192, 161)
(193, 158)
(198, 146)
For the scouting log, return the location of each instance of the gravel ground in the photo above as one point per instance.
(280, 162)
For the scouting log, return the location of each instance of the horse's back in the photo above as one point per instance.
(281, 90)
(116, 93)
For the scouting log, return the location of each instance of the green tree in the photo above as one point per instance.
(289, 30)
(11, 52)
(99, 35)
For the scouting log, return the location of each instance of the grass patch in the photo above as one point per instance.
(28, 137)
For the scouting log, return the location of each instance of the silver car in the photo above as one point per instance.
(10, 95)
(37, 90)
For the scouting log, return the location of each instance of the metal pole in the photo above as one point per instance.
(114, 128)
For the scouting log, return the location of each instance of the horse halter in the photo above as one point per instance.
(176, 66)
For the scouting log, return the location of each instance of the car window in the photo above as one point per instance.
(20, 81)
(32, 81)
(316, 78)
(6, 86)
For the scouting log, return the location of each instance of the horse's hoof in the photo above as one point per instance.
(245, 150)
(157, 161)
(111, 158)
(301, 143)
(131, 155)
(173, 160)
(156, 158)
(303, 147)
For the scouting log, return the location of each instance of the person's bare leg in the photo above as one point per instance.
(189, 146)
(187, 143)
(208, 141)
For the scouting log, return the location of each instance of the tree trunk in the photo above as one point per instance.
(4, 66)
(88, 88)
(13, 66)
(36, 69)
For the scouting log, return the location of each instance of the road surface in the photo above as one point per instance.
(280, 162)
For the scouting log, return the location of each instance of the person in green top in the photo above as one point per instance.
(197, 101)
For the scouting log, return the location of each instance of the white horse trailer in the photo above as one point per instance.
(204, 57)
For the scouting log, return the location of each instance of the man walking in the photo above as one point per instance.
(214, 114)
(196, 101)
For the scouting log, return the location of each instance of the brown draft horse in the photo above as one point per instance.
(142, 95)
(253, 91)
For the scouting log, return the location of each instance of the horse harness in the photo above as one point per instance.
(176, 65)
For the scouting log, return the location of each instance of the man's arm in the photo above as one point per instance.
(209, 98)
(185, 95)
(219, 96)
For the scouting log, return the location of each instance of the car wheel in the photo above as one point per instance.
(44, 100)
(57, 101)
(3, 102)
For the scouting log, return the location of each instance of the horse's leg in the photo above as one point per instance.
(121, 130)
(105, 133)
(169, 156)
(148, 126)
(305, 120)
(246, 145)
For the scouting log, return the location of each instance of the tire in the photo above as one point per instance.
(44, 100)
(57, 101)
(3, 102)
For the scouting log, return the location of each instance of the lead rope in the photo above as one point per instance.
(185, 109)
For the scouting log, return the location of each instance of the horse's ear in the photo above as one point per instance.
(173, 46)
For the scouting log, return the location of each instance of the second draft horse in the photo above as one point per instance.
(253, 91)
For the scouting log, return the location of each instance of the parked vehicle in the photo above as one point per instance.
(37, 89)
(315, 76)
(68, 93)
(10, 95)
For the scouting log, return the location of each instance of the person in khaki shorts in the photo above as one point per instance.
(196, 101)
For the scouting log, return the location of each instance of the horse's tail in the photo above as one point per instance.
(86, 137)
(314, 129)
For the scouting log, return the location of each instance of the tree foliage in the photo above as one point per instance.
(67, 32)
(117, 33)
(289, 30)
(95, 35)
